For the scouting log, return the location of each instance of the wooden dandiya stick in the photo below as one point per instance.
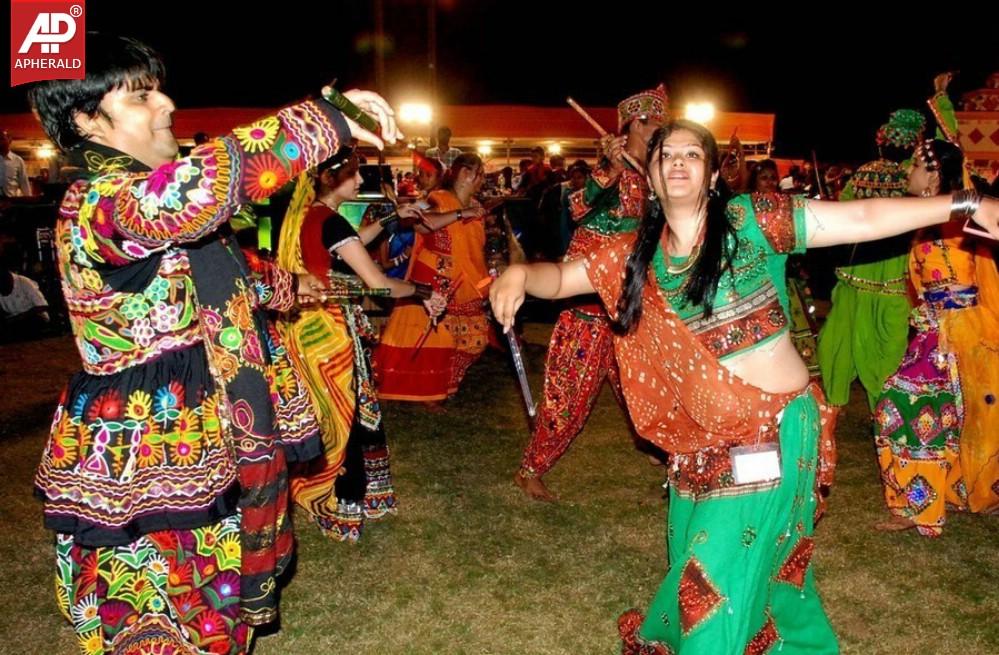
(341, 297)
(586, 116)
(430, 323)
(602, 132)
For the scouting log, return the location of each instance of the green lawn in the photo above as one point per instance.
(471, 566)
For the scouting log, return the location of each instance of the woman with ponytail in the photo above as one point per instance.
(710, 375)
(329, 344)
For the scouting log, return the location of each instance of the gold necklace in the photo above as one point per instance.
(686, 266)
(691, 258)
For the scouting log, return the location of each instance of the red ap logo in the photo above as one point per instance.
(47, 40)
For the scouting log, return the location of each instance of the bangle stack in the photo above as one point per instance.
(423, 291)
(964, 204)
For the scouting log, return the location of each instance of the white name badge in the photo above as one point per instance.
(758, 463)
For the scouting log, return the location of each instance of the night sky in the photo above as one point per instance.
(831, 78)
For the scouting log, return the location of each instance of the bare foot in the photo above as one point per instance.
(435, 407)
(534, 488)
(895, 524)
(655, 461)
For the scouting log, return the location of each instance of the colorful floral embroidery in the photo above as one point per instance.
(167, 592)
(143, 441)
(265, 174)
(259, 136)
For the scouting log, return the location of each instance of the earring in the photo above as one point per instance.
(652, 196)
(926, 193)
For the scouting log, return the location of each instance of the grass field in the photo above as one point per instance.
(471, 566)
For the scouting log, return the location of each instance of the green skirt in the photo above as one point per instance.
(740, 578)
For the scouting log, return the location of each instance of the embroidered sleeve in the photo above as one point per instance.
(599, 185)
(781, 219)
(186, 199)
(632, 193)
(274, 286)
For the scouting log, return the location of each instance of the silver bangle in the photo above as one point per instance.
(964, 204)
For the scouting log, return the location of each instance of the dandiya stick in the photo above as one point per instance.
(602, 132)
(430, 323)
(518, 358)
